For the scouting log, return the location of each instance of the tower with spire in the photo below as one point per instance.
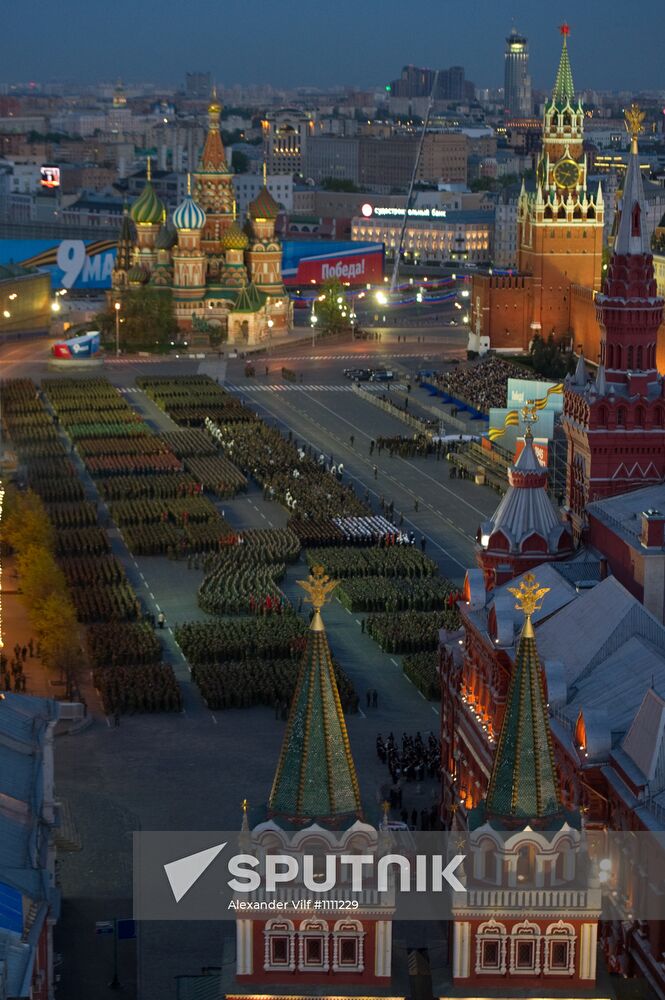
(315, 808)
(615, 424)
(526, 528)
(528, 920)
(560, 234)
(213, 181)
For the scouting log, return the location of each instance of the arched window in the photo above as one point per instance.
(639, 359)
(602, 416)
(621, 417)
(617, 360)
(639, 416)
(561, 214)
(348, 946)
(279, 944)
(491, 940)
(629, 358)
(313, 946)
(559, 957)
(548, 214)
(610, 356)
(526, 863)
(658, 416)
(591, 212)
(525, 949)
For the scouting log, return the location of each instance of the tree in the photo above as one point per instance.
(239, 162)
(331, 306)
(147, 320)
(548, 357)
(339, 184)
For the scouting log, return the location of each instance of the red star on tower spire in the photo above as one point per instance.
(564, 29)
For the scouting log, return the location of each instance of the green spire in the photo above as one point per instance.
(316, 777)
(524, 783)
(564, 91)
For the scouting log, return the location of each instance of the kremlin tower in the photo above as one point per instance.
(526, 529)
(559, 238)
(615, 424)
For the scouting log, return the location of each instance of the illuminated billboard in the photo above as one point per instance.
(549, 395)
(306, 262)
(79, 264)
(49, 176)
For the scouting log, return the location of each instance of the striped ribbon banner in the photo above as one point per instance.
(511, 419)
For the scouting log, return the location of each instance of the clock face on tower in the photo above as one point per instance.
(566, 173)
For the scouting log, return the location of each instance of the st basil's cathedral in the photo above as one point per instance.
(226, 280)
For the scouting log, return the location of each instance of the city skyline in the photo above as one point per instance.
(162, 42)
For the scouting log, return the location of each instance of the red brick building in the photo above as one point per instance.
(615, 425)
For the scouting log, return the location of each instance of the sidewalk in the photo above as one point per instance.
(17, 628)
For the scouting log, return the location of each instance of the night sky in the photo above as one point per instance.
(324, 42)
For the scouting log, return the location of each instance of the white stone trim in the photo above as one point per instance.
(461, 949)
(279, 929)
(345, 930)
(310, 930)
(525, 931)
(383, 948)
(244, 951)
(491, 931)
(559, 932)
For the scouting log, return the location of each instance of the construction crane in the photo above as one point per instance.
(398, 252)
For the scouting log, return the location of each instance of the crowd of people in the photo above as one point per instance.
(243, 684)
(412, 759)
(411, 631)
(90, 417)
(484, 384)
(414, 446)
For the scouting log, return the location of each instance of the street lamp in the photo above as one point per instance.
(271, 323)
(116, 306)
(313, 320)
(381, 298)
(55, 306)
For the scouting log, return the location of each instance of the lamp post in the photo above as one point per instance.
(271, 323)
(313, 320)
(116, 306)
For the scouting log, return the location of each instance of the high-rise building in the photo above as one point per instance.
(198, 84)
(517, 82)
(285, 136)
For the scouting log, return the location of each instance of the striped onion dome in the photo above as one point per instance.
(234, 238)
(148, 209)
(189, 215)
(137, 274)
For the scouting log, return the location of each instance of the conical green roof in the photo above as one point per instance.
(316, 778)
(564, 91)
(524, 784)
(250, 299)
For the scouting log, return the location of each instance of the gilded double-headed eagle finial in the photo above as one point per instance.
(529, 416)
(529, 595)
(318, 585)
(634, 118)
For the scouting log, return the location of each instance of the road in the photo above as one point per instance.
(192, 770)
